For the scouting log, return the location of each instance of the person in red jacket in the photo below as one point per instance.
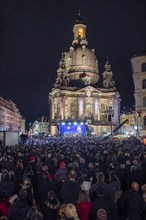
(83, 205)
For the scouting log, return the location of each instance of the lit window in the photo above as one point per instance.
(80, 32)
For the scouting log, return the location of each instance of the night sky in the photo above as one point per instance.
(33, 34)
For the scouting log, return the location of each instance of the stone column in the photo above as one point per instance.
(80, 107)
(96, 109)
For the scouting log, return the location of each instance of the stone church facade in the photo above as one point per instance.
(77, 94)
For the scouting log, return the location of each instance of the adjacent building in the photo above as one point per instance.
(82, 94)
(129, 128)
(10, 117)
(40, 126)
(138, 64)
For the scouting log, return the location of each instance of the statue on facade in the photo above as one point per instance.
(108, 82)
(62, 78)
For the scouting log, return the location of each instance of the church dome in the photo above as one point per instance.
(81, 63)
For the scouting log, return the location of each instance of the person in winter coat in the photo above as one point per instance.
(71, 189)
(51, 206)
(20, 208)
(26, 185)
(100, 182)
(115, 184)
(133, 175)
(7, 185)
(83, 205)
(132, 204)
(61, 176)
(103, 202)
(4, 204)
(46, 184)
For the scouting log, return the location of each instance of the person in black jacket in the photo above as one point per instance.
(71, 189)
(7, 185)
(132, 205)
(103, 201)
(20, 208)
(51, 206)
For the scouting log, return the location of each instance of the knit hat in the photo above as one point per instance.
(31, 159)
(62, 164)
(50, 177)
(101, 214)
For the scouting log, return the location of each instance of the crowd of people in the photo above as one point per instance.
(73, 178)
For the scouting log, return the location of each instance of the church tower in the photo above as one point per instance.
(77, 96)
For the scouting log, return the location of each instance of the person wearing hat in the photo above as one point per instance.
(51, 206)
(61, 176)
(103, 202)
(45, 185)
(101, 214)
(61, 173)
(20, 208)
(100, 182)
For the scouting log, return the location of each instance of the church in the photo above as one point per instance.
(79, 104)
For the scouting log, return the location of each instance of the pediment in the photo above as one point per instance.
(89, 88)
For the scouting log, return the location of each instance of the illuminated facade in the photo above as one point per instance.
(76, 94)
(40, 126)
(129, 127)
(10, 117)
(138, 64)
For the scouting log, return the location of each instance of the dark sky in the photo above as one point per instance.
(34, 33)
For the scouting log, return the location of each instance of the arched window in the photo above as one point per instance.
(144, 101)
(143, 67)
(144, 84)
(72, 108)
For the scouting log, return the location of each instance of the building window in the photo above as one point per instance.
(144, 101)
(72, 108)
(88, 109)
(73, 111)
(102, 108)
(143, 67)
(144, 84)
